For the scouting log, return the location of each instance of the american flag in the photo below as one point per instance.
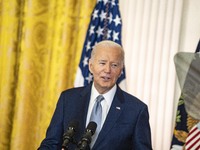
(193, 139)
(105, 24)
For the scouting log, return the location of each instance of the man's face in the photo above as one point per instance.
(106, 67)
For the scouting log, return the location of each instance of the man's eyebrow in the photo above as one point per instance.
(102, 60)
(114, 62)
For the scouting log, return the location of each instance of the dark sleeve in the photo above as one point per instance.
(53, 139)
(142, 138)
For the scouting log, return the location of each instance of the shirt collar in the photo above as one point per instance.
(108, 96)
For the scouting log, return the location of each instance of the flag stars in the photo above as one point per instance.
(105, 1)
(117, 20)
(113, 3)
(91, 31)
(122, 72)
(99, 32)
(115, 36)
(89, 78)
(88, 47)
(103, 15)
(85, 61)
(110, 18)
(95, 14)
(108, 34)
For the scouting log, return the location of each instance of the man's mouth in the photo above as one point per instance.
(106, 78)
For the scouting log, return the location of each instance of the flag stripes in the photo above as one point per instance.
(193, 139)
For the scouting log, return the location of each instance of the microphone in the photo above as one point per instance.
(86, 138)
(68, 135)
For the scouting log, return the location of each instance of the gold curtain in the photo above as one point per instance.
(40, 47)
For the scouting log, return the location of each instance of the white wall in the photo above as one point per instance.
(153, 32)
(190, 26)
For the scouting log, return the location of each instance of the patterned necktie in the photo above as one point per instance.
(96, 116)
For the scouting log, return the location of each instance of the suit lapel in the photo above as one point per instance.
(82, 108)
(113, 114)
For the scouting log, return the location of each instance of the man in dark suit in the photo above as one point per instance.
(125, 119)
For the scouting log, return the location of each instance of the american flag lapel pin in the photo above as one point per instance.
(118, 108)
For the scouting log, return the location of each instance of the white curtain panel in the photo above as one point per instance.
(151, 37)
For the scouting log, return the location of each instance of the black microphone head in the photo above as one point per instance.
(92, 127)
(74, 124)
(69, 133)
(86, 138)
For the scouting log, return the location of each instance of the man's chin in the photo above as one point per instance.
(107, 86)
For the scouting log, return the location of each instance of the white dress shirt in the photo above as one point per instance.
(106, 103)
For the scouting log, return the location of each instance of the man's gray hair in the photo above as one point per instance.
(108, 43)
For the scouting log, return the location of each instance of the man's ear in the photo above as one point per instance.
(90, 65)
(121, 72)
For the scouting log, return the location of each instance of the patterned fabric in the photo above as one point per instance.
(184, 122)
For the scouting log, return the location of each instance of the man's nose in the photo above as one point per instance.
(107, 68)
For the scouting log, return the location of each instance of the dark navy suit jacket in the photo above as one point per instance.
(125, 128)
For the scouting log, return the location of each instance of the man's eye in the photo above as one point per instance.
(102, 63)
(114, 65)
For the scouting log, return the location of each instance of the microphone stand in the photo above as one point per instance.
(66, 147)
